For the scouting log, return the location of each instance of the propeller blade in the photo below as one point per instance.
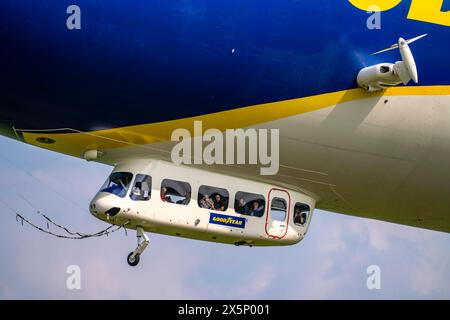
(416, 38)
(395, 46)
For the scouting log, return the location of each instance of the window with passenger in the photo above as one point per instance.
(213, 198)
(301, 213)
(142, 188)
(117, 183)
(249, 204)
(174, 191)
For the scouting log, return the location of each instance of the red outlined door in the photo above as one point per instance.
(277, 213)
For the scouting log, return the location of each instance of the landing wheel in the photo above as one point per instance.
(142, 243)
(133, 262)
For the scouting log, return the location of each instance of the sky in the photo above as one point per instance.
(330, 263)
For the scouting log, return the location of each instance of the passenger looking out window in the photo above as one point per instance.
(299, 217)
(142, 188)
(174, 191)
(164, 196)
(206, 202)
(137, 192)
(301, 212)
(257, 210)
(249, 204)
(218, 203)
(241, 208)
(213, 198)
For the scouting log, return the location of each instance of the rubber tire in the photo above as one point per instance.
(136, 260)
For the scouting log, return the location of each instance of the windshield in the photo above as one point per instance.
(117, 183)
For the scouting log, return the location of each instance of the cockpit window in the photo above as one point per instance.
(117, 183)
(249, 204)
(301, 213)
(173, 191)
(142, 188)
(213, 198)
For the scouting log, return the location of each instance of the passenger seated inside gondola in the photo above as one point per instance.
(241, 208)
(257, 210)
(206, 202)
(164, 196)
(142, 188)
(136, 192)
(301, 214)
(174, 191)
(213, 198)
(249, 204)
(218, 203)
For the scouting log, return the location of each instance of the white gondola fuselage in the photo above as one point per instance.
(187, 202)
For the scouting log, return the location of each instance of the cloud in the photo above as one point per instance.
(333, 241)
(255, 284)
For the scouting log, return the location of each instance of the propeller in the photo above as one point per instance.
(384, 75)
(407, 69)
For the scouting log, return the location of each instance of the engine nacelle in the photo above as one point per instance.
(385, 75)
(378, 77)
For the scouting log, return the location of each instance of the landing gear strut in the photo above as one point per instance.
(143, 241)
